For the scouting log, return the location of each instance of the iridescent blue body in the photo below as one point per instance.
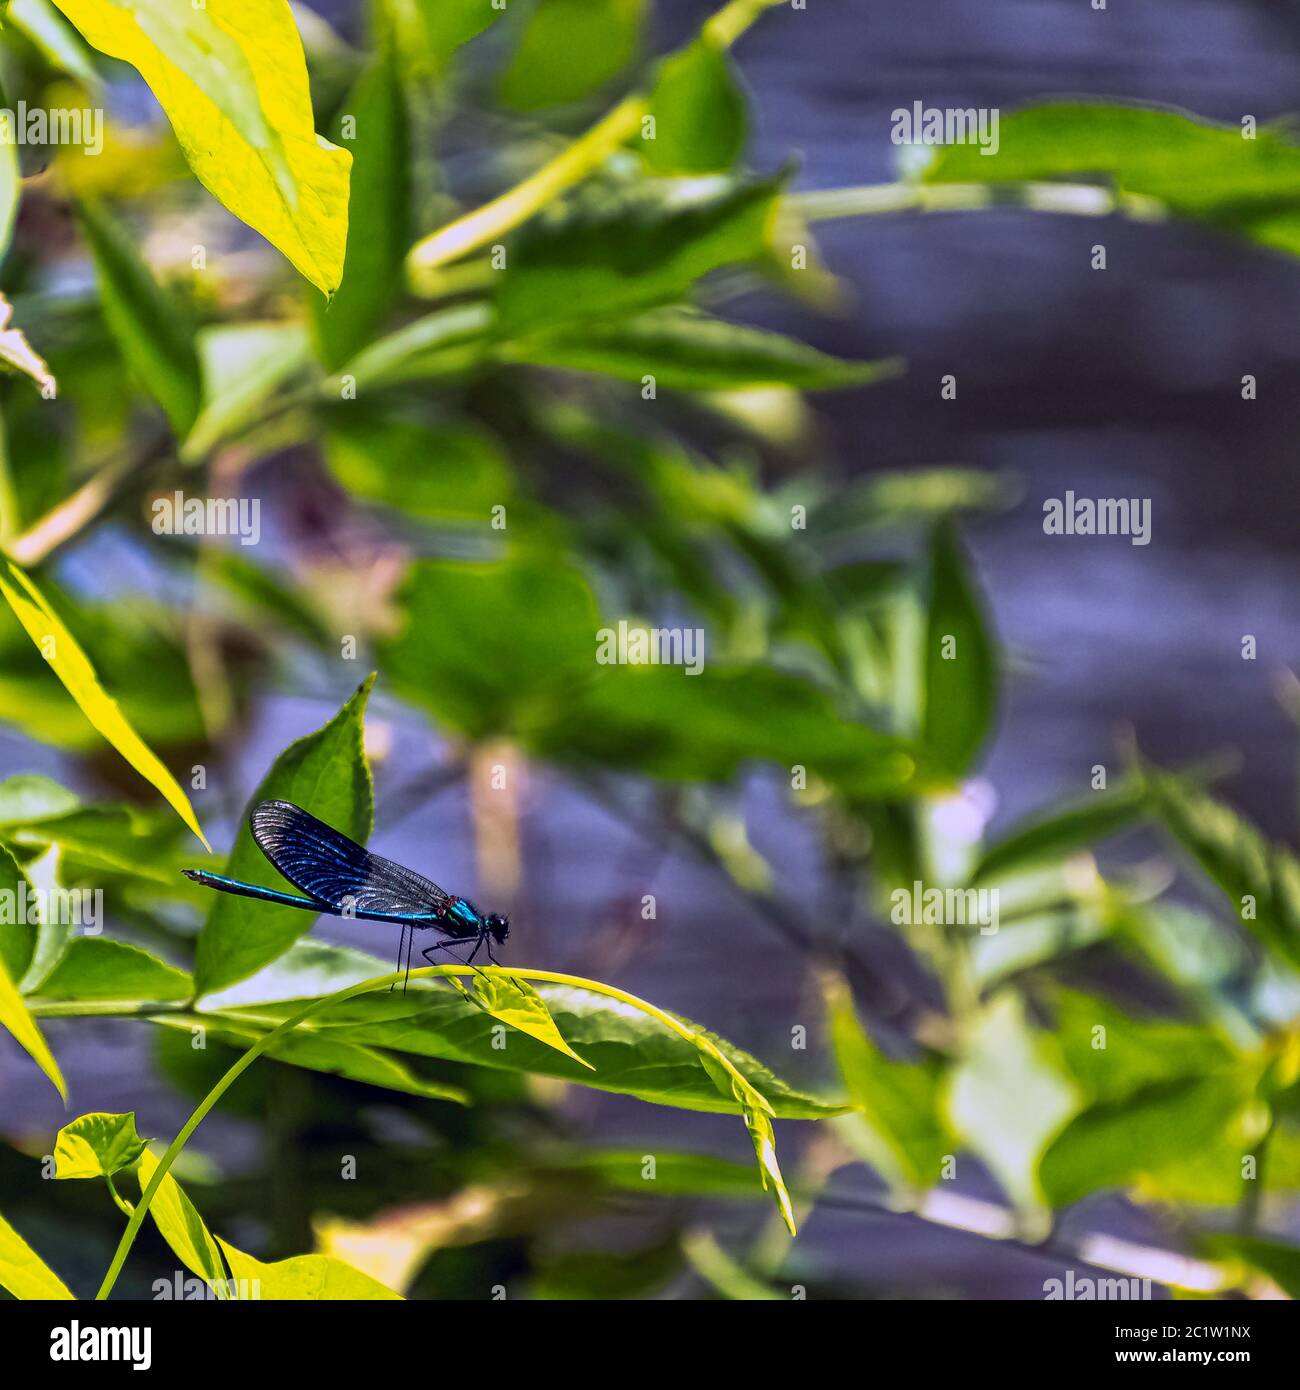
(341, 878)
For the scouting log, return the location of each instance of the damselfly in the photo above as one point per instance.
(343, 879)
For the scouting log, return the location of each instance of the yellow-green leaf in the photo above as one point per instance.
(73, 668)
(97, 1145)
(181, 1226)
(23, 1272)
(302, 1277)
(517, 1003)
(15, 1017)
(231, 76)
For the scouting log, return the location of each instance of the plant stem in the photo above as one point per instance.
(584, 156)
(351, 992)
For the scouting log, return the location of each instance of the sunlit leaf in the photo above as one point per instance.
(15, 1017)
(517, 1003)
(97, 1146)
(22, 1271)
(181, 1226)
(302, 1277)
(74, 669)
(231, 77)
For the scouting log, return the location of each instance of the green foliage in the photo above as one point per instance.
(490, 435)
(1208, 172)
(326, 773)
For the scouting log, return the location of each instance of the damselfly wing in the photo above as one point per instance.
(344, 879)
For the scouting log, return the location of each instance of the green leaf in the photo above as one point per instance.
(97, 1146)
(16, 353)
(97, 968)
(607, 253)
(706, 727)
(492, 648)
(1181, 1140)
(1197, 169)
(243, 364)
(22, 1271)
(1278, 1260)
(151, 327)
(960, 661)
(440, 344)
(1047, 838)
(181, 1226)
(11, 190)
(379, 230)
(55, 38)
(570, 49)
(16, 1018)
(332, 1056)
(450, 23)
(517, 1003)
(1261, 879)
(699, 111)
(439, 472)
(628, 1052)
(28, 796)
(688, 351)
(73, 668)
(303, 1277)
(1008, 1098)
(17, 937)
(898, 1101)
(231, 77)
(326, 774)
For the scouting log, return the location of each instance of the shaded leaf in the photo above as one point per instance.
(688, 351)
(151, 327)
(960, 661)
(699, 111)
(570, 49)
(94, 967)
(326, 774)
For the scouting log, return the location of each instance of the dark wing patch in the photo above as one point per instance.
(325, 864)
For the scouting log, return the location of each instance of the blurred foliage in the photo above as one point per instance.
(505, 405)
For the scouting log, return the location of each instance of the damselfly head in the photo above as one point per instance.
(498, 926)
